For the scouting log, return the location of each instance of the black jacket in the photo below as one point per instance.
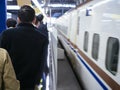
(43, 29)
(27, 48)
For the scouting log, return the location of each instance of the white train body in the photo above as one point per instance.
(90, 35)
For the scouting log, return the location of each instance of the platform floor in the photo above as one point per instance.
(66, 77)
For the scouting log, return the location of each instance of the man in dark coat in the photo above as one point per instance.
(27, 48)
(42, 27)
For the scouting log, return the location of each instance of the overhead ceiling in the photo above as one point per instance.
(14, 2)
(45, 3)
(58, 1)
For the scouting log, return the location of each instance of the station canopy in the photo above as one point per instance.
(53, 8)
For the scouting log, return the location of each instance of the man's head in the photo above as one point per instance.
(26, 14)
(40, 17)
(11, 22)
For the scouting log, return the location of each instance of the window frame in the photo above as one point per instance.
(111, 54)
(86, 37)
(95, 46)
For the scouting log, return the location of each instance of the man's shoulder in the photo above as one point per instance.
(41, 34)
(8, 30)
(42, 25)
(3, 54)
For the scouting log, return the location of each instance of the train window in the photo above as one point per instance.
(86, 36)
(95, 46)
(112, 55)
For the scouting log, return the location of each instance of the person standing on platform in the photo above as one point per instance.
(27, 48)
(8, 79)
(43, 29)
(41, 26)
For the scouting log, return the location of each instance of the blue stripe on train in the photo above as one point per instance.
(88, 68)
(97, 79)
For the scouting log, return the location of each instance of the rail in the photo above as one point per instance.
(52, 59)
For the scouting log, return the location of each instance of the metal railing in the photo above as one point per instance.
(52, 59)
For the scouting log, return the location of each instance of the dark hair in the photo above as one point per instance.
(11, 22)
(40, 17)
(26, 13)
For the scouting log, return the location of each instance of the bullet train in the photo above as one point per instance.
(90, 35)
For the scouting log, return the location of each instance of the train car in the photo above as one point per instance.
(90, 35)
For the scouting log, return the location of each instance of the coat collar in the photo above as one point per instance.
(25, 25)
